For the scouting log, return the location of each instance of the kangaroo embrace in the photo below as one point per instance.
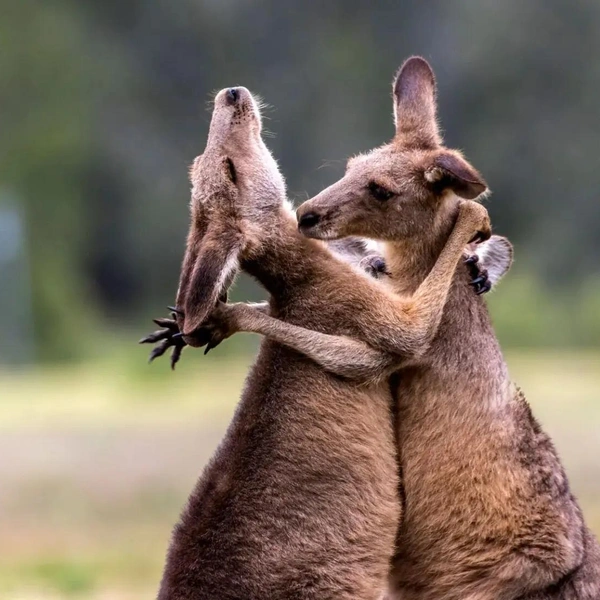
(379, 449)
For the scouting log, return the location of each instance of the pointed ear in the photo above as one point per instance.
(496, 256)
(213, 272)
(415, 104)
(213, 245)
(451, 171)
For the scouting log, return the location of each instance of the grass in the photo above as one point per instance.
(98, 460)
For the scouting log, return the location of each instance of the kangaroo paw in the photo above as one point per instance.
(168, 337)
(479, 277)
(374, 265)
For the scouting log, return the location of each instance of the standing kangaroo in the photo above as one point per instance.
(488, 510)
(301, 498)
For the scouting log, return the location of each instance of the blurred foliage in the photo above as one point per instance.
(103, 456)
(103, 108)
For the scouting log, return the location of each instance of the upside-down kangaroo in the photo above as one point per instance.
(301, 498)
(488, 514)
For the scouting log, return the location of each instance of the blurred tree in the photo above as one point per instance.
(45, 82)
(103, 109)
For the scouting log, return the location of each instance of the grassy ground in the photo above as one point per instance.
(98, 460)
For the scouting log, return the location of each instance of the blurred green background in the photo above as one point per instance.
(103, 107)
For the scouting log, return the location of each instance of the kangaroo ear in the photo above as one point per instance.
(213, 246)
(451, 171)
(213, 272)
(496, 256)
(415, 105)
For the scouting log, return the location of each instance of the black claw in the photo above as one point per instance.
(479, 280)
(486, 287)
(177, 336)
(209, 347)
(471, 260)
(177, 311)
(159, 350)
(479, 237)
(175, 355)
(155, 336)
(169, 323)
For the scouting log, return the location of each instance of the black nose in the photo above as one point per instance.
(308, 220)
(232, 95)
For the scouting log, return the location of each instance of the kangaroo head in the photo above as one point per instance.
(405, 189)
(236, 172)
(235, 185)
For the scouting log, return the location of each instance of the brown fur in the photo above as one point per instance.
(488, 513)
(301, 498)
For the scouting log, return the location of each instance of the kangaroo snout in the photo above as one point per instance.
(315, 221)
(233, 96)
(318, 218)
(307, 220)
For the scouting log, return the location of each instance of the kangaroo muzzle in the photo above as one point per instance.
(308, 220)
(316, 221)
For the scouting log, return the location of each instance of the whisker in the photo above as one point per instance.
(329, 163)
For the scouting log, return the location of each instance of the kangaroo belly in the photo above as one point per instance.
(300, 500)
(488, 511)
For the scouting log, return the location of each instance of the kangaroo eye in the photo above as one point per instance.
(380, 193)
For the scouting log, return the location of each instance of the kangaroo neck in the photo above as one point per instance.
(410, 261)
(282, 259)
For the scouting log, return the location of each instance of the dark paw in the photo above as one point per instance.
(481, 236)
(479, 277)
(374, 266)
(167, 337)
(211, 334)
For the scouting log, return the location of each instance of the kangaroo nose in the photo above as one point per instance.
(232, 95)
(308, 220)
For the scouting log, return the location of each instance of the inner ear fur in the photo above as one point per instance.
(450, 171)
(495, 256)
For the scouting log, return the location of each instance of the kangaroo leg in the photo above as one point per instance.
(337, 354)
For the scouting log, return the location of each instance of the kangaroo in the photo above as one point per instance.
(489, 514)
(301, 498)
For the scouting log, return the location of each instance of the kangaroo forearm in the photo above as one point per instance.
(262, 307)
(340, 355)
(406, 326)
(430, 298)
